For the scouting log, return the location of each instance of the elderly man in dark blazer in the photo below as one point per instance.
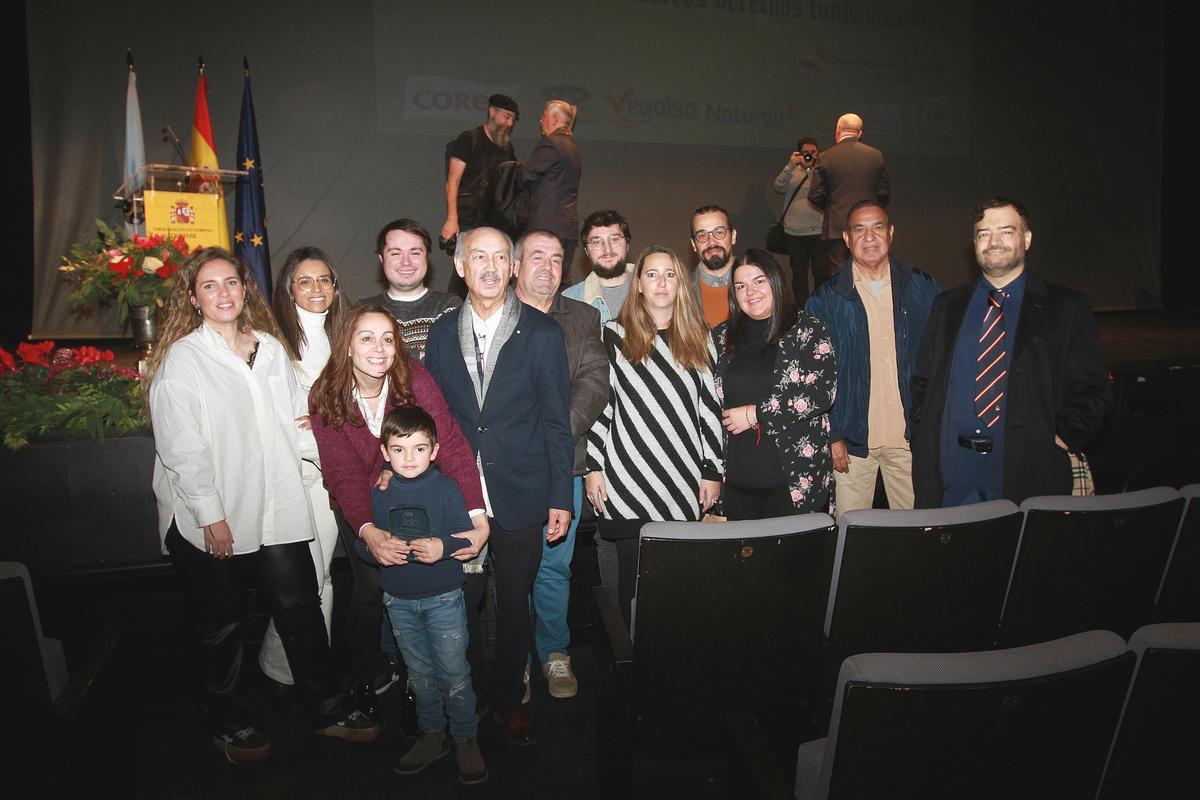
(1009, 377)
(551, 177)
(848, 172)
(538, 269)
(503, 369)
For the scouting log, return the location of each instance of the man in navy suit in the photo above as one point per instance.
(503, 369)
(1009, 377)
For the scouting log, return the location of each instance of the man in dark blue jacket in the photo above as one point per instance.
(502, 366)
(876, 309)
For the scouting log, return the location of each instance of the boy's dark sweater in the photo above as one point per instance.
(447, 511)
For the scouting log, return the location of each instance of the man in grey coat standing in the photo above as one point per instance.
(538, 264)
(551, 177)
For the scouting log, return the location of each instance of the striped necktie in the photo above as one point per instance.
(990, 380)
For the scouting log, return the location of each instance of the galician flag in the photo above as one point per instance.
(135, 153)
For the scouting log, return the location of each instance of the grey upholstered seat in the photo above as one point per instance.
(1031, 721)
(1087, 563)
(920, 580)
(728, 622)
(35, 670)
(1154, 750)
(1179, 597)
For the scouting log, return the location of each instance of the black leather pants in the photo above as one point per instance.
(286, 585)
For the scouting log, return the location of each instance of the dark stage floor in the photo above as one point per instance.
(154, 746)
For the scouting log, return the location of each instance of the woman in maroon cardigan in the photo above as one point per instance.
(369, 373)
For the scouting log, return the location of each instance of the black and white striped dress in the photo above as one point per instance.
(659, 435)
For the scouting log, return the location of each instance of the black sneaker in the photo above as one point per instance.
(242, 745)
(354, 727)
(386, 674)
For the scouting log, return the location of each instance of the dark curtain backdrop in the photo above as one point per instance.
(1059, 108)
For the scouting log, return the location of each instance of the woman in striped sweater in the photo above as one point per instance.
(655, 452)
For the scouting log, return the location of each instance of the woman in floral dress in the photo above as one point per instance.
(776, 376)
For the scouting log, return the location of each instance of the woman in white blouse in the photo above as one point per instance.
(233, 511)
(309, 308)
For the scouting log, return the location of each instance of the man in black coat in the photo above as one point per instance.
(551, 177)
(848, 172)
(1009, 377)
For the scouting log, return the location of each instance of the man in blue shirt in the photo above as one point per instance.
(1010, 376)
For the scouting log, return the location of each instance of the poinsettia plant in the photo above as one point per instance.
(47, 388)
(133, 272)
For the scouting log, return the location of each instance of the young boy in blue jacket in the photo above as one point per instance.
(423, 595)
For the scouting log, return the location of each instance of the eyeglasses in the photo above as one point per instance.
(307, 283)
(718, 234)
(614, 239)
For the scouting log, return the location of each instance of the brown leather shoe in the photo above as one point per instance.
(518, 728)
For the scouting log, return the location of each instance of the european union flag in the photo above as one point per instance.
(250, 213)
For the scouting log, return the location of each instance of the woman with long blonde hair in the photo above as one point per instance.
(224, 402)
(655, 452)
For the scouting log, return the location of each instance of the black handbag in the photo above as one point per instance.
(776, 235)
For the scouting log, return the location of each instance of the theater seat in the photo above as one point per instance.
(728, 621)
(921, 580)
(1087, 563)
(1033, 721)
(1179, 598)
(1155, 748)
(34, 671)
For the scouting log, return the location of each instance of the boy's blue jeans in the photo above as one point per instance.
(432, 634)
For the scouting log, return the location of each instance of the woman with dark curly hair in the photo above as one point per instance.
(232, 509)
(776, 377)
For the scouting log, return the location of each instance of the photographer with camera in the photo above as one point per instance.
(801, 220)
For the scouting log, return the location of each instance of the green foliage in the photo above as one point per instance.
(76, 392)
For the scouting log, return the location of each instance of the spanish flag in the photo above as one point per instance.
(204, 149)
(204, 154)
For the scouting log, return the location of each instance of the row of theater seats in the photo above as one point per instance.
(754, 619)
(1082, 716)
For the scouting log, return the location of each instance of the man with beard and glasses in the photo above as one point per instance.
(473, 156)
(605, 236)
(538, 265)
(503, 369)
(1009, 377)
(713, 237)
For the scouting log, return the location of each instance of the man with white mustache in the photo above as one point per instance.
(713, 237)
(538, 268)
(1009, 377)
(503, 369)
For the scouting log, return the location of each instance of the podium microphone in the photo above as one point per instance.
(174, 140)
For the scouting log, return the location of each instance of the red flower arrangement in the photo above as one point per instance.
(47, 388)
(135, 272)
